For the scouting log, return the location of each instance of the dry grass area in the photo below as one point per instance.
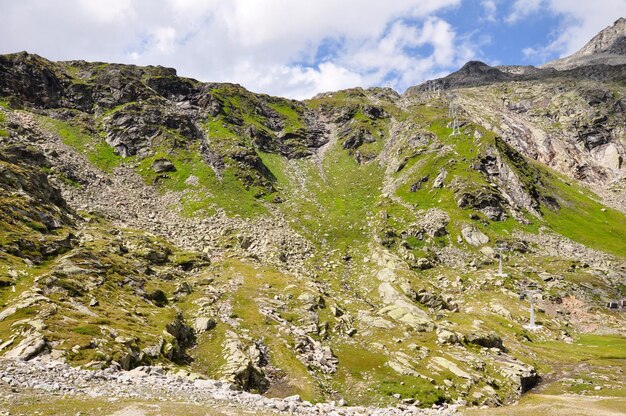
(51, 405)
(562, 405)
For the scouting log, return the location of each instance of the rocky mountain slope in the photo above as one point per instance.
(342, 248)
(607, 47)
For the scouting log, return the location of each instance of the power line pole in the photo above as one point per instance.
(530, 294)
(500, 273)
(453, 113)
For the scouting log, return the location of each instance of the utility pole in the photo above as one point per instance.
(530, 294)
(453, 112)
(500, 273)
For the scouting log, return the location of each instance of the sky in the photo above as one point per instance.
(298, 48)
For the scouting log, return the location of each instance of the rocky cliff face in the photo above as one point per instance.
(149, 219)
(608, 48)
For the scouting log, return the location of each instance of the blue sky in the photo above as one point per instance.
(297, 48)
(502, 42)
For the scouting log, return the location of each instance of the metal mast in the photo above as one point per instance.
(453, 113)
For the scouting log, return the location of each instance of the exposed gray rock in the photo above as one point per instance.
(439, 180)
(485, 339)
(452, 367)
(153, 383)
(316, 355)
(203, 324)
(433, 221)
(31, 346)
(242, 365)
(163, 165)
(474, 236)
(607, 47)
(445, 336)
(523, 376)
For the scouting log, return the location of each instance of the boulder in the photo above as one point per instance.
(203, 324)
(439, 180)
(372, 321)
(485, 339)
(163, 165)
(445, 336)
(314, 301)
(487, 251)
(177, 336)
(474, 236)
(183, 288)
(498, 309)
(413, 317)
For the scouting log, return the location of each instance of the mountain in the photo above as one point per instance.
(608, 47)
(156, 229)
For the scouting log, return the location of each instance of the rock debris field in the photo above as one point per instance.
(48, 377)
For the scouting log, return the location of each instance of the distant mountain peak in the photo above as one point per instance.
(611, 40)
(607, 47)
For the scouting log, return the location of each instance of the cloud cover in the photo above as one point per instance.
(293, 48)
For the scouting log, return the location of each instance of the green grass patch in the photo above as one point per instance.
(211, 192)
(585, 220)
(91, 330)
(596, 349)
(292, 119)
(97, 151)
(416, 388)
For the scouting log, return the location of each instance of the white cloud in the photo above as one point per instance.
(583, 20)
(490, 9)
(109, 11)
(164, 39)
(523, 8)
(579, 22)
(270, 46)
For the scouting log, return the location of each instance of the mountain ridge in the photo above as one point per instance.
(157, 223)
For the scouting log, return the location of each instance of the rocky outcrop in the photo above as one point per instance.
(137, 128)
(485, 199)
(293, 247)
(243, 365)
(523, 376)
(30, 78)
(315, 355)
(178, 336)
(484, 339)
(31, 346)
